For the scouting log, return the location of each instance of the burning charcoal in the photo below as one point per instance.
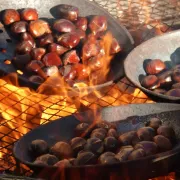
(52, 59)
(175, 56)
(165, 78)
(105, 125)
(146, 133)
(110, 144)
(98, 135)
(173, 92)
(155, 123)
(36, 79)
(124, 153)
(94, 145)
(38, 53)
(112, 133)
(38, 147)
(166, 131)
(69, 40)
(86, 158)
(81, 129)
(51, 71)
(82, 71)
(150, 82)
(68, 12)
(23, 47)
(154, 67)
(10, 16)
(160, 91)
(80, 33)
(163, 143)
(64, 26)
(62, 150)
(77, 144)
(48, 159)
(71, 57)
(19, 27)
(176, 75)
(149, 147)
(115, 47)
(46, 39)
(136, 154)
(57, 48)
(27, 37)
(176, 86)
(98, 24)
(38, 28)
(108, 158)
(40, 163)
(29, 14)
(63, 163)
(81, 23)
(20, 61)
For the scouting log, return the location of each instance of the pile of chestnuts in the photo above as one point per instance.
(101, 143)
(70, 46)
(163, 78)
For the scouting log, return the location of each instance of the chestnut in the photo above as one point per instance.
(80, 33)
(29, 14)
(63, 163)
(176, 75)
(62, 150)
(70, 57)
(115, 47)
(82, 71)
(38, 147)
(94, 145)
(40, 163)
(23, 47)
(57, 48)
(63, 26)
(176, 86)
(34, 66)
(19, 27)
(69, 40)
(38, 28)
(86, 158)
(46, 39)
(36, 79)
(81, 129)
(173, 92)
(105, 125)
(163, 143)
(81, 23)
(146, 133)
(10, 16)
(27, 37)
(52, 59)
(149, 147)
(48, 159)
(98, 24)
(51, 71)
(112, 133)
(166, 131)
(154, 66)
(136, 154)
(77, 144)
(108, 158)
(95, 63)
(165, 78)
(160, 91)
(71, 160)
(110, 144)
(100, 130)
(98, 135)
(150, 82)
(38, 53)
(155, 123)
(67, 11)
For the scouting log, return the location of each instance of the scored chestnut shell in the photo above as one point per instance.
(45, 40)
(108, 158)
(29, 14)
(38, 28)
(77, 144)
(10, 16)
(38, 53)
(176, 86)
(150, 82)
(27, 37)
(52, 59)
(19, 27)
(81, 23)
(63, 26)
(67, 11)
(57, 48)
(71, 57)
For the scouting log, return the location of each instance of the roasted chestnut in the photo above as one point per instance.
(166, 131)
(38, 53)
(77, 144)
(100, 130)
(155, 123)
(149, 147)
(105, 125)
(146, 133)
(165, 78)
(39, 162)
(46, 39)
(63, 163)
(67, 11)
(38, 28)
(23, 47)
(112, 133)
(52, 59)
(81, 23)
(70, 57)
(48, 159)
(173, 92)
(108, 158)
(111, 144)
(176, 86)
(38, 147)
(29, 14)
(154, 66)
(176, 75)
(80, 33)
(81, 129)
(51, 71)
(98, 135)
(94, 145)
(64, 26)
(136, 154)
(19, 27)
(36, 79)
(160, 91)
(163, 143)
(34, 66)
(57, 48)
(62, 150)
(150, 82)
(27, 37)
(10, 16)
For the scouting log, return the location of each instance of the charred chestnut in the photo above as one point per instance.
(71, 57)
(110, 144)
(63, 163)
(108, 158)
(19, 27)
(48, 159)
(10, 16)
(57, 48)
(52, 59)
(150, 82)
(136, 154)
(146, 133)
(38, 53)
(46, 39)
(81, 23)
(77, 144)
(29, 14)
